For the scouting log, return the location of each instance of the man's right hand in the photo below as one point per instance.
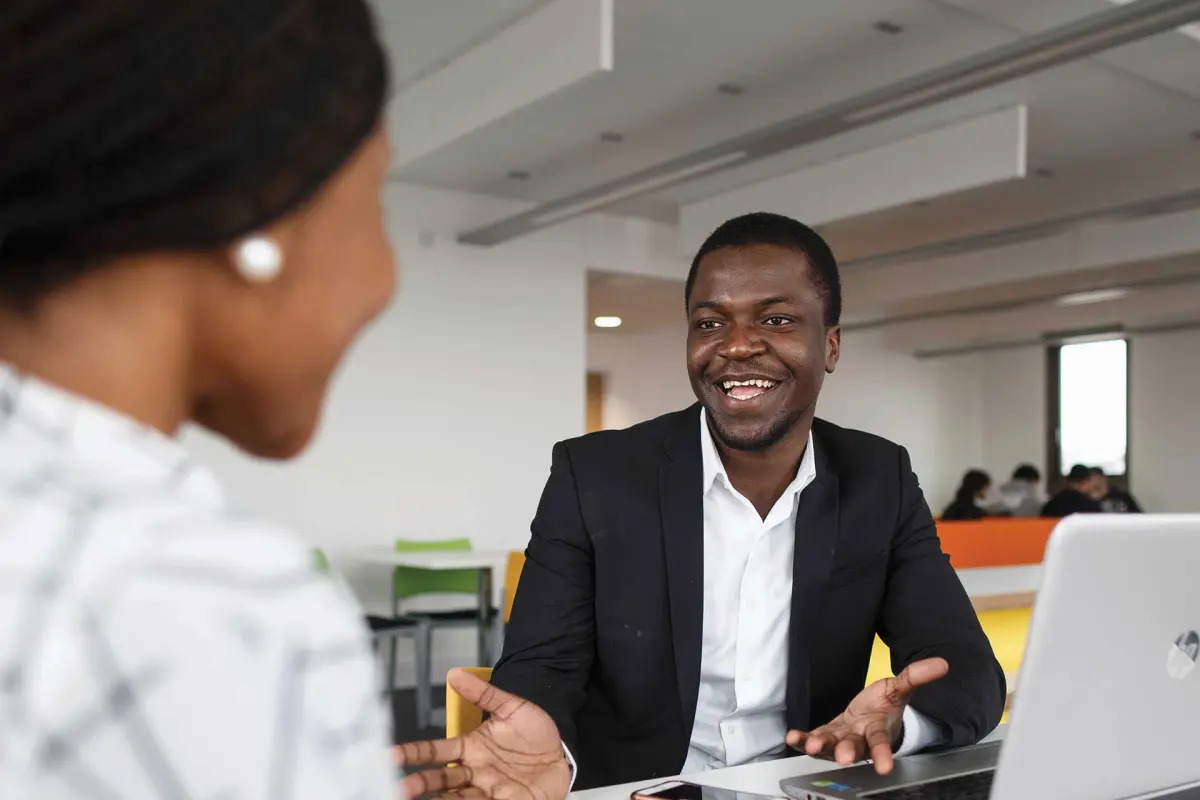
(515, 755)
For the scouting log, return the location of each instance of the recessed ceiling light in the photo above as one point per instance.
(518, 174)
(888, 27)
(607, 322)
(1093, 296)
(731, 89)
(612, 137)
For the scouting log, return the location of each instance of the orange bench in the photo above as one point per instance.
(995, 542)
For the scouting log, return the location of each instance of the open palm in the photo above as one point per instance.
(515, 755)
(873, 722)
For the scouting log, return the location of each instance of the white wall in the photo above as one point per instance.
(1014, 410)
(443, 416)
(644, 372)
(1164, 461)
(931, 407)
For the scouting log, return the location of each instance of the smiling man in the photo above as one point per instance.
(704, 589)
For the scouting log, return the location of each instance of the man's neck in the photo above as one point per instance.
(761, 476)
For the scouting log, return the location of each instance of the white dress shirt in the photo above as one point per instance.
(153, 643)
(747, 608)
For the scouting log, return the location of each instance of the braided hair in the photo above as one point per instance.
(137, 125)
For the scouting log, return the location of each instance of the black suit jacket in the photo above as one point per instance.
(606, 627)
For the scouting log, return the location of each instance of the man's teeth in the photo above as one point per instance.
(759, 383)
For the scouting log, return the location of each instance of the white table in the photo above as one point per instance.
(485, 562)
(762, 778)
(982, 581)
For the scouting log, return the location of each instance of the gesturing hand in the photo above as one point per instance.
(515, 755)
(873, 722)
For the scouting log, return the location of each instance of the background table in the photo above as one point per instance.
(761, 778)
(485, 562)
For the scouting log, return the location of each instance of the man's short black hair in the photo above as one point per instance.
(762, 227)
(1079, 473)
(1026, 472)
(1099, 472)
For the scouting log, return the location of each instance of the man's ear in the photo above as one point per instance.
(833, 347)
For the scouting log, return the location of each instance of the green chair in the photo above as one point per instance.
(410, 582)
(392, 628)
(321, 561)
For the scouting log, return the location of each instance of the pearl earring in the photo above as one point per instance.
(258, 258)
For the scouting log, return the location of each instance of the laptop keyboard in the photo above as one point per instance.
(975, 786)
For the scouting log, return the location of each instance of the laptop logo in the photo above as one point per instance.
(1181, 660)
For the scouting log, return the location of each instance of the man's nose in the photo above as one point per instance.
(742, 342)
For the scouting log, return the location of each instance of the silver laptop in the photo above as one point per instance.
(1108, 705)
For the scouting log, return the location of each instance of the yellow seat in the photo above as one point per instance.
(461, 716)
(1006, 629)
(512, 574)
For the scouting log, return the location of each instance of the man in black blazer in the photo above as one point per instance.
(654, 620)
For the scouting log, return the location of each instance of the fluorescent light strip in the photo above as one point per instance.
(1192, 31)
(1092, 296)
(648, 185)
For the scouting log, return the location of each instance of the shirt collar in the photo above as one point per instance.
(95, 444)
(714, 468)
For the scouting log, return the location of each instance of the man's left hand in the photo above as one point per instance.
(873, 722)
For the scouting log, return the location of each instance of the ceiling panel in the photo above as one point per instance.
(670, 56)
(420, 35)
(1096, 184)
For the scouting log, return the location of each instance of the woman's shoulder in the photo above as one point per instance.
(212, 565)
(225, 559)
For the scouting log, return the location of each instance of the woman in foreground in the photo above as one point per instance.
(190, 230)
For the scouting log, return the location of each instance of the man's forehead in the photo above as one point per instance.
(763, 270)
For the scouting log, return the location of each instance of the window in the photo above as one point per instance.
(1089, 405)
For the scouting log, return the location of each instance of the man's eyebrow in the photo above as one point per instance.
(774, 301)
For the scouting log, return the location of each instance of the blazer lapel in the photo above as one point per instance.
(817, 518)
(680, 481)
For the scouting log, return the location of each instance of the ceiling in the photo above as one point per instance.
(790, 57)
(1122, 126)
(424, 35)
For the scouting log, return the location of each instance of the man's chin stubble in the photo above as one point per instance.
(761, 440)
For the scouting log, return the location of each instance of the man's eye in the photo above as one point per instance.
(777, 320)
(707, 324)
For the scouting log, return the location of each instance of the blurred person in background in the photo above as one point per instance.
(1022, 496)
(190, 230)
(970, 500)
(1077, 497)
(1112, 499)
